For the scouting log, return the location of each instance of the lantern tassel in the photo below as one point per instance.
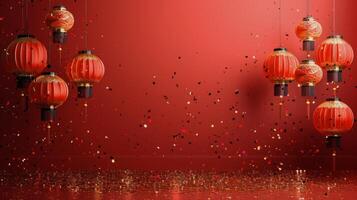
(85, 111)
(49, 132)
(308, 109)
(60, 54)
(281, 108)
(334, 160)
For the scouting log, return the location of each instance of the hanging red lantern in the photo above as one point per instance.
(26, 57)
(280, 68)
(308, 74)
(60, 20)
(308, 30)
(333, 117)
(85, 69)
(48, 91)
(334, 54)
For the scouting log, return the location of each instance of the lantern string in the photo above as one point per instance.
(49, 132)
(308, 7)
(60, 55)
(86, 24)
(22, 16)
(85, 111)
(50, 36)
(26, 17)
(333, 17)
(281, 104)
(280, 32)
(308, 108)
(26, 102)
(334, 154)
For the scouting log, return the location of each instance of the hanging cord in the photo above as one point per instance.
(26, 17)
(308, 7)
(50, 36)
(86, 24)
(280, 42)
(333, 17)
(308, 4)
(23, 16)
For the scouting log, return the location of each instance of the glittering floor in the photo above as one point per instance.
(178, 185)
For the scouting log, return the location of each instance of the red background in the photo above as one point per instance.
(159, 55)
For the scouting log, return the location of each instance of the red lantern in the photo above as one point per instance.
(308, 30)
(48, 91)
(280, 68)
(308, 74)
(85, 69)
(60, 20)
(333, 117)
(26, 57)
(334, 54)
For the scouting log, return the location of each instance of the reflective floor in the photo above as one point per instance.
(179, 185)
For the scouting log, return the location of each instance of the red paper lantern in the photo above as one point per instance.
(333, 117)
(60, 20)
(280, 68)
(26, 57)
(308, 74)
(308, 30)
(334, 54)
(85, 69)
(48, 91)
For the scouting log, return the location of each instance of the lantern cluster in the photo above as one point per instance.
(332, 117)
(308, 74)
(26, 58)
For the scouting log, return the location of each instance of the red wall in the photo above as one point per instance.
(159, 55)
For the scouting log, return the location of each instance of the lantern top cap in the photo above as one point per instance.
(85, 52)
(333, 99)
(24, 35)
(307, 18)
(59, 7)
(280, 49)
(308, 61)
(335, 36)
(49, 73)
(334, 136)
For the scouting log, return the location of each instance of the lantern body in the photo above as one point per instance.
(48, 91)
(308, 74)
(334, 54)
(333, 117)
(280, 68)
(60, 20)
(85, 69)
(308, 30)
(26, 57)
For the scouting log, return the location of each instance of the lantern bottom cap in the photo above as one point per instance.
(333, 141)
(334, 76)
(59, 36)
(85, 91)
(308, 45)
(308, 90)
(23, 80)
(48, 114)
(280, 89)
